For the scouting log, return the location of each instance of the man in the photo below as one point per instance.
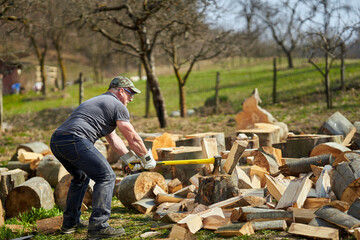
(73, 145)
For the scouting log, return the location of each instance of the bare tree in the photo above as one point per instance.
(285, 21)
(136, 26)
(189, 41)
(326, 39)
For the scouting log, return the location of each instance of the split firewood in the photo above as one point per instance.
(302, 215)
(268, 133)
(188, 204)
(337, 124)
(195, 180)
(161, 225)
(157, 190)
(166, 208)
(345, 157)
(337, 217)
(315, 203)
(35, 192)
(345, 180)
(252, 112)
(145, 205)
(270, 215)
(173, 217)
(137, 186)
(252, 201)
(51, 170)
(357, 233)
(319, 222)
(243, 179)
(295, 193)
(180, 233)
(329, 148)
(214, 222)
(266, 161)
(274, 153)
(35, 147)
(276, 186)
(174, 185)
(236, 151)
(279, 225)
(256, 181)
(259, 171)
(313, 232)
(239, 214)
(185, 191)
(10, 180)
(236, 229)
(219, 136)
(165, 140)
(28, 157)
(316, 170)
(209, 149)
(226, 203)
(303, 165)
(354, 209)
(49, 225)
(164, 197)
(193, 222)
(11, 165)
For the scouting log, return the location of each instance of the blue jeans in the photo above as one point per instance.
(84, 162)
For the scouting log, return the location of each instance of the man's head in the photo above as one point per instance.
(123, 82)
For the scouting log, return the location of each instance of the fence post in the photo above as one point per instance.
(81, 88)
(217, 101)
(1, 103)
(274, 80)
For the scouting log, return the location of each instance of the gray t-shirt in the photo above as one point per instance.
(95, 117)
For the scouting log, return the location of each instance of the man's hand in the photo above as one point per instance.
(148, 161)
(129, 159)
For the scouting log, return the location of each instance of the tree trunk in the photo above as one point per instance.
(289, 59)
(182, 97)
(342, 67)
(61, 64)
(158, 99)
(1, 104)
(274, 81)
(147, 99)
(327, 83)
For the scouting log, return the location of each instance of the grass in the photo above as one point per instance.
(301, 105)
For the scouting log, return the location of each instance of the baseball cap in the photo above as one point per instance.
(121, 81)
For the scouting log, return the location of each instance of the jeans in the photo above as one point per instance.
(84, 162)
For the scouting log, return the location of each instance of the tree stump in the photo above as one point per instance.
(8, 181)
(345, 179)
(51, 170)
(213, 189)
(35, 192)
(182, 172)
(62, 188)
(138, 186)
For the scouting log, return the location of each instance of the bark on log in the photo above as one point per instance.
(61, 191)
(51, 170)
(35, 192)
(137, 186)
(213, 189)
(345, 180)
(337, 217)
(354, 209)
(329, 148)
(182, 172)
(8, 181)
(303, 165)
(11, 165)
(36, 147)
(145, 205)
(279, 225)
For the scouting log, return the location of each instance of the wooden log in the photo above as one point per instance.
(279, 225)
(163, 141)
(195, 180)
(337, 217)
(214, 222)
(315, 203)
(227, 203)
(158, 190)
(28, 157)
(193, 222)
(313, 232)
(303, 165)
(243, 179)
(251, 201)
(164, 197)
(180, 233)
(8, 181)
(270, 215)
(184, 191)
(157, 226)
(35, 147)
(274, 153)
(337, 124)
(345, 157)
(213, 189)
(259, 171)
(341, 205)
(137, 186)
(302, 215)
(219, 136)
(298, 146)
(209, 149)
(11, 165)
(234, 156)
(35, 192)
(268, 134)
(51, 170)
(329, 148)
(354, 209)
(256, 181)
(276, 186)
(240, 214)
(295, 193)
(49, 225)
(173, 217)
(145, 205)
(345, 180)
(182, 172)
(236, 229)
(174, 185)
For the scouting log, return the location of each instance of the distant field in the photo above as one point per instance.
(238, 79)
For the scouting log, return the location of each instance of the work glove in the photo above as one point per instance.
(147, 161)
(129, 159)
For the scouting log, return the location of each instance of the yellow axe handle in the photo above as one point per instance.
(189, 161)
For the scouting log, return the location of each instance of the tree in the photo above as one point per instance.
(190, 40)
(136, 26)
(285, 21)
(327, 37)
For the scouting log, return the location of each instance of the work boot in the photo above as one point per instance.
(80, 225)
(105, 233)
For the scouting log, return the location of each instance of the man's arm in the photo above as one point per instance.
(134, 140)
